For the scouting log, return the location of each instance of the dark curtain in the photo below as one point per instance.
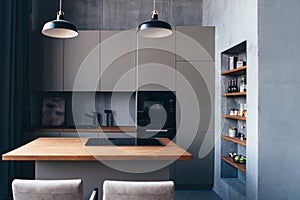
(13, 69)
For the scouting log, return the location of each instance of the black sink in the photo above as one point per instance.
(123, 142)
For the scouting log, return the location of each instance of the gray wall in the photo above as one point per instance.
(279, 83)
(235, 22)
(116, 14)
(272, 29)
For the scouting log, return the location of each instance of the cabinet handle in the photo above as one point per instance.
(157, 130)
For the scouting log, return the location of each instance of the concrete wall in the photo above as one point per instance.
(116, 14)
(279, 83)
(272, 29)
(235, 22)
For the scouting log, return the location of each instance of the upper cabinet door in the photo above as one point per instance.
(118, 55)
(195, 43)
(156, 64)
(45, 63)
(82, 62)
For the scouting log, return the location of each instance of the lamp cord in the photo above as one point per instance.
(153, 4)
(60, 4)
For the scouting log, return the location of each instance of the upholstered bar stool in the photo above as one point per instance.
(49, 189)
(136, 190)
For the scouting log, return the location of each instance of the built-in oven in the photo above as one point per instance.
(156, 114)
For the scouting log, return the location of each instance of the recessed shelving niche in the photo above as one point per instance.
(231, 70)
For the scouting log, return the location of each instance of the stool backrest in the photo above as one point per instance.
(47, 189)
(136, 190)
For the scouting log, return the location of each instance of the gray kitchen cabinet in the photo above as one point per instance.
(195, 86)
(28, 167)
(156, 64)
(199, 172)
(117, 135)
(82, 62)
(195, 123)
(79, 134)
(195, 43)
(118, 57)
(45, 64)
(29, 136)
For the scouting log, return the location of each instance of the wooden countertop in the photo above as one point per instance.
(68, 149)
(99, 129)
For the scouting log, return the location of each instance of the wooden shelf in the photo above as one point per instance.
(229, 160)
(237, 71)
(234, 94)
(235, 140)
(234, 117)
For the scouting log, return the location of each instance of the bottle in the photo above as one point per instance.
(229, 89)
(234, 86)
(242, 85)
(245, 84)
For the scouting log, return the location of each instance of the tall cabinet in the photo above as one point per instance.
(195, 105)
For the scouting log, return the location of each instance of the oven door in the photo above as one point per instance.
(154, 133)
(156, 114)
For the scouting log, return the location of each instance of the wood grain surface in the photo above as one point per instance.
(73, 149)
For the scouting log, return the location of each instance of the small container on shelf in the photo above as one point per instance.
(243, 110)
(242, 136)
(240, 63)
(232, 62)
(232, 132)
(243, 84)
(234, 112)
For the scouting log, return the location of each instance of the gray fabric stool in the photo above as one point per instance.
(47, 189)
(135, 190)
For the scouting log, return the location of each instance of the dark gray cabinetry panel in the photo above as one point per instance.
(195, 86)
(195, 123)
(195, 43)
(82, 62)
(156, 63)
(79, 134)
(118, 56)
(28, 167)
(45, 63)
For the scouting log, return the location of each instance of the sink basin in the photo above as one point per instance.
(123, 142)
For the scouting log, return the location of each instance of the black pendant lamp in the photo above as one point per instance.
(154, 28)
(60, 28)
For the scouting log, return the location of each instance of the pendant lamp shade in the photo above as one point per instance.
(60, 28)
(154, 28)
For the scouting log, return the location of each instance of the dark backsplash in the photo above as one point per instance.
(121, 103)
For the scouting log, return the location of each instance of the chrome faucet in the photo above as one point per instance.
(94, 116)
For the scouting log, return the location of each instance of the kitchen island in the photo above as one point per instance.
(66, 158)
